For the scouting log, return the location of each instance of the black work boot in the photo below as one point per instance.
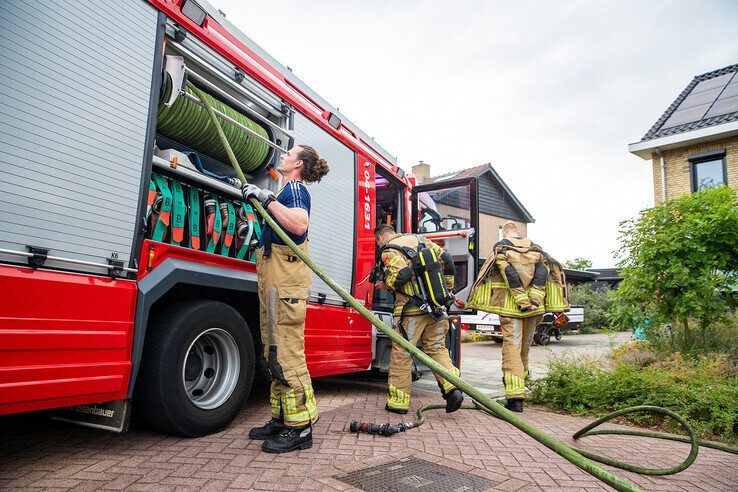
(270, 429)
(454, 399)
(290, 439)
(514, 404)
(401, 411)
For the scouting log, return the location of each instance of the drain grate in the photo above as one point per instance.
(414, 474)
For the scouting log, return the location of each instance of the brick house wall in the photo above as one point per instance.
(677, 168)
(489, 227)
(489, 233)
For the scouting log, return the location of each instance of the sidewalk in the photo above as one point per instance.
(480, 451)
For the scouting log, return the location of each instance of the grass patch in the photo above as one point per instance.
(703, 390)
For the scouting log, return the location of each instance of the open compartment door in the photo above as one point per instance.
(447, 212)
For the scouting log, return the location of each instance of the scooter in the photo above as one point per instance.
(551, 325)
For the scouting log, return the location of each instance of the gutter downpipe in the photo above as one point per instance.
(663, 175)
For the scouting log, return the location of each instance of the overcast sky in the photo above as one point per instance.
(551, 93)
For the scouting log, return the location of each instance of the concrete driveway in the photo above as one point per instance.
(481, 361)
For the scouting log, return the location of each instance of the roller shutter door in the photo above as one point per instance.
(333, 200)
(75, 87)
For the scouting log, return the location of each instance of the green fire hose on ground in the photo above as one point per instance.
(581, 459)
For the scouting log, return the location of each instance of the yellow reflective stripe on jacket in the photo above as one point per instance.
(534, 289)
(482, 294)
(555, 298)
(508, 308)
(394, 264)
(520, 297)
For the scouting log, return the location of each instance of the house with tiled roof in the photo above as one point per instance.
(497, 203)
(695, 142)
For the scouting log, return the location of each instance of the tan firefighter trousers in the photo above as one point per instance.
(284, 281)
(517, 335)
(432, 334)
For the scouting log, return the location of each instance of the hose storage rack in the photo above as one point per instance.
(194, 201)
(186, 208)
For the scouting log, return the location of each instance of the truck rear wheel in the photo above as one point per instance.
(197, 368)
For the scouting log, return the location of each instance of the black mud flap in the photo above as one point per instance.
(112, 416)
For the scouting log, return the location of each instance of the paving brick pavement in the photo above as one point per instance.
(36, 453)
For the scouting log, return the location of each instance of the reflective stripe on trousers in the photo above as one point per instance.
(517, 336)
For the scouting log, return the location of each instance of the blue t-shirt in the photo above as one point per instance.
(293, 194)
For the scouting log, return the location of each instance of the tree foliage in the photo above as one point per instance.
(578, 264)
(680, 262)
(596, 304)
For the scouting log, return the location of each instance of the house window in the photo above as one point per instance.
(708, 169)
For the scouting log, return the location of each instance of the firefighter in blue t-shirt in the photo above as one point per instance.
(284, 281)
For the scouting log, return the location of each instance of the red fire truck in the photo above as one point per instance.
(126, 272)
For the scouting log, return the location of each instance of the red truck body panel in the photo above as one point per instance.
(337, 340)
(65, 339)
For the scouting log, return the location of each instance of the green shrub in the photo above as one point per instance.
(720, 337)
(578, 263)
(704, 390)
(680, 266)
(596, 303)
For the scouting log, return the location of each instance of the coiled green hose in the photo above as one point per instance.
(590, 430)
(481, 401)
(187, 122)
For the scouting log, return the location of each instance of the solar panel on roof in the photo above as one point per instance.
(687, 115)
(723, 106)
(715, 82)
(712, 97)
(730, 90)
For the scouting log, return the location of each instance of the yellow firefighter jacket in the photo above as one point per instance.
(491, 292)
(394, 261)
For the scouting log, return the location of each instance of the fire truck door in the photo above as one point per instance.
(447, 213)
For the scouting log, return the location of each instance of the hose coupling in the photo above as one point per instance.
(385, 430)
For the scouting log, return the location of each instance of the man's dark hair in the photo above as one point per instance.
(313, 167)
(382, 229)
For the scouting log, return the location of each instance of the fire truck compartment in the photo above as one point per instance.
(332, 200)
(75, 106)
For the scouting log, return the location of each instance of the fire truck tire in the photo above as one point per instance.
(196, 370)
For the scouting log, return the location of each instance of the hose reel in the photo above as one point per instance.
(181, 118)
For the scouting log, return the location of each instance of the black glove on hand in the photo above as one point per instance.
(252, 191)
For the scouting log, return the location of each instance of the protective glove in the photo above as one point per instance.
(264, 196)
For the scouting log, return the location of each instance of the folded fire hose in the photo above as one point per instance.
(581, 459)
(228, 223)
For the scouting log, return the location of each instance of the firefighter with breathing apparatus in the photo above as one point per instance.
(284, 281)
(520, 283)
(420, 274)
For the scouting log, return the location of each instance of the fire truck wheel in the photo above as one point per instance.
(197, 368)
